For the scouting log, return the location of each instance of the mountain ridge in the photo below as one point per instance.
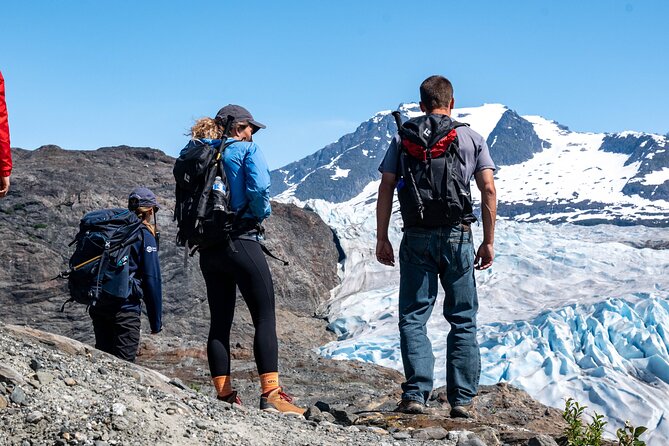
(633, 187)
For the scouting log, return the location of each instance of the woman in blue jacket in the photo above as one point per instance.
(117, 326)
(241, 262)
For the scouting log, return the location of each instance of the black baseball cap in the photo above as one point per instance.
(239, 114)
(142, 197)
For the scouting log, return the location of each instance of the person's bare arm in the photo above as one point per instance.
(384, 207)
(486, 184)
(4, 185)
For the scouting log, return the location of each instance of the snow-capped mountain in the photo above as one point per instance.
(546, 172)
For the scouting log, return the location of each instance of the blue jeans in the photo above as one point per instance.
(446, 253)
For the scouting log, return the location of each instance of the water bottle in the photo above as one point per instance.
(218, 190)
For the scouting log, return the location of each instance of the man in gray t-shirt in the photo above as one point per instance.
(429, 254)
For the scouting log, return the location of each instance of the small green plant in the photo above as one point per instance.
(40, 226)
(629, 435)
(580, 434)
(195, 386)
(572, 415)
(595, 430)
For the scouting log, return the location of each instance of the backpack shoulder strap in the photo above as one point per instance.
(456, 147)
(457, 124)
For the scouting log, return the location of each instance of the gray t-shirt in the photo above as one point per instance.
(473, 149)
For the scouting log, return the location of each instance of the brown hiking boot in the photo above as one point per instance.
(233, 398)
(410, 406)
(460, 412)
(279, 402)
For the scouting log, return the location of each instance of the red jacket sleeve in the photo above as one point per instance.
(5, 153)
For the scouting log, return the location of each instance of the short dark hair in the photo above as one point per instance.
(436, 92)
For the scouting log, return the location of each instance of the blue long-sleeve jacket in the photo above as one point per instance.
(144, 266)
(248, 176)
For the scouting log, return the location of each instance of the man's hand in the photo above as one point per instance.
(485, 181)
(4, 186)
(484, 256)
(384, 252)
(384, 207)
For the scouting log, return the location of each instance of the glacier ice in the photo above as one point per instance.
(565, 311)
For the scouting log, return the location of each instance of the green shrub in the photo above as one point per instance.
(580, 434)
(629, 435)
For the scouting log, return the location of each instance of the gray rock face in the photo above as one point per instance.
(430, 433)
(651, 154)
(339, 171)
(542, 440)
(52, 189)
(513, 140)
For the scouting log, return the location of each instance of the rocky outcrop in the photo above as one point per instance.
(649, 151)
(54, 390)
(513, 140)
(52, 188)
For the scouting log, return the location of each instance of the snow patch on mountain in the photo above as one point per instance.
(340, 173)
(574, 180)
(656, 178)
(571, 168)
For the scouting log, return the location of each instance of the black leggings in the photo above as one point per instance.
(223, 270)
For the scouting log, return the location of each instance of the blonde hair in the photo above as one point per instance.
(142, 214)
(206, 128)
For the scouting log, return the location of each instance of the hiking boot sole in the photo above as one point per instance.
(273, 410)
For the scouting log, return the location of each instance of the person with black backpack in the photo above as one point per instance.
(222, 198)
(116, 319)
(431, 161)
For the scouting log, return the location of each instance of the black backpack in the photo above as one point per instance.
(99, 270)
(431, 189)
(202, 211)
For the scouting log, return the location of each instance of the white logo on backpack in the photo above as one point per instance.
(151, 249)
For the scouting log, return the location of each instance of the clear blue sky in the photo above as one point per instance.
(86, 74)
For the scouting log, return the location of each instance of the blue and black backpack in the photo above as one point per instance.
(99, 268)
